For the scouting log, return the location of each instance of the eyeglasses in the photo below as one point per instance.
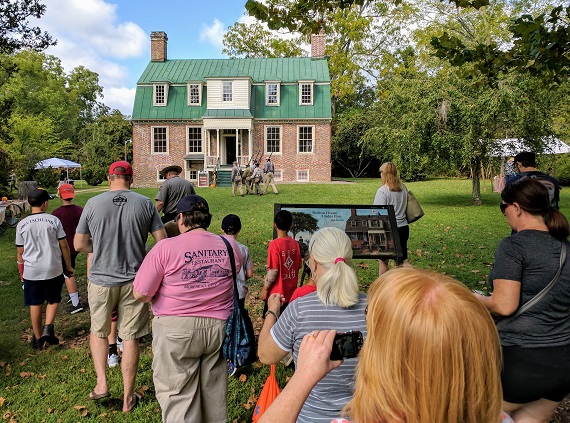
(503, 207)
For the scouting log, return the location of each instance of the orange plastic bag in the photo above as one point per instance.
(268, 394)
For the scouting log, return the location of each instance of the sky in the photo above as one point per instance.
(112, 37)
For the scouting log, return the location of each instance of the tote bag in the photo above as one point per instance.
(239, 344)
(268, 394)
(413, 209)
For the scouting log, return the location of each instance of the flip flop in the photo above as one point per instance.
(137, 398)
(93, 396)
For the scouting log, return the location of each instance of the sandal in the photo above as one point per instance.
(136, 398)
(93, 396)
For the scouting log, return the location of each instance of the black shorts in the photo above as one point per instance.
(38, 292)
(73, 257)
(530, 374)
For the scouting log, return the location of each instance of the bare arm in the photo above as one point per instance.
(20, 261)
(66, 253)
(159, 205)
(140, 297)
(249, 273)
(505, 298)
(268, 350)
(313, 364)
(158, 235)
(83, 243)
(269, 280)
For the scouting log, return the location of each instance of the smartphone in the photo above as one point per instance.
(346, 345)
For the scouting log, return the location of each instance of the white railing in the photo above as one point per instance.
(211, 161)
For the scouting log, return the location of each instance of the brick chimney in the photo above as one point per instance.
(318, 45)
(158, 42)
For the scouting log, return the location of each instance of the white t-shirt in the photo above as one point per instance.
(39, 234)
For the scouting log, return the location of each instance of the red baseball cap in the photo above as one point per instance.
(66, 191)
(127, 169)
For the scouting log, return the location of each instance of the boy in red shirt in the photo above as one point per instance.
(283, 261)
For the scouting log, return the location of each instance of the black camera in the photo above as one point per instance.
(346, 345)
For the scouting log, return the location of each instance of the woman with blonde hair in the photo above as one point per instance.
(336, 304)
(394, 193)
(432, 354)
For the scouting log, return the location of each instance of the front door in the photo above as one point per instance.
(230, 149)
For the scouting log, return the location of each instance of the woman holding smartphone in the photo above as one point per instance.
(336, 304)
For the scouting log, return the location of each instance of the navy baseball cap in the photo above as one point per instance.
(187, 204)
(38, 196)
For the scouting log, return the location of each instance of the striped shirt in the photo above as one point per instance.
(301, 317)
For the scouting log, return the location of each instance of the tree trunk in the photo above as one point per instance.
(24, 187)
(476, 194)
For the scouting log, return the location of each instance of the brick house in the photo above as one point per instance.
(203, 114)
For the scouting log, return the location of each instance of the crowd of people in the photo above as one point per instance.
(252, 177)
(433, 351)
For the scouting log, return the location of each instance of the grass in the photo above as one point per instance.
(52, 385)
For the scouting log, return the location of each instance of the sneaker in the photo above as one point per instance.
(119, 344)
(113, 360)
(48, 336)
(76, 309)
(36, 343)
(231, 369)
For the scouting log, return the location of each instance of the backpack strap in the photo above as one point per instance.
(233, 264)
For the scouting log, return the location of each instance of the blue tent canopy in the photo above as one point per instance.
(56, 162)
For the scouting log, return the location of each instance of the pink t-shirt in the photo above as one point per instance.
(189, 275)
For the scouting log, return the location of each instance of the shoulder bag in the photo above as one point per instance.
(541, 294)
(413, 209)
(239, 347)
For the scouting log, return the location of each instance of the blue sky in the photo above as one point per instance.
(112, 37)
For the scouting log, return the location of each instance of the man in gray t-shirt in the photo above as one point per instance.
(114, 226)
(171, 191)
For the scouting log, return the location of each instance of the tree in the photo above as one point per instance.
(15, 30)
(254, 40)
(303, 222)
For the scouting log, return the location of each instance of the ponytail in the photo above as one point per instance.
(557, 224)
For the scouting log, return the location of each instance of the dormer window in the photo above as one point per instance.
(227, 87)
(306, 93)
(194, 94)
(160, 94)
(272, 93)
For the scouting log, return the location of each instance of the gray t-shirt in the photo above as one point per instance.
(394, 198)
(246, 264)
(301, 317)
(119, 223)
(39, 234)
(532, 258)
(171, 191)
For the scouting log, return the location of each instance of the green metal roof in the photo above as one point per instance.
(259, 70)
(286, 70)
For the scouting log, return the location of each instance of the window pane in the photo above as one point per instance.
(194, 93)
(159, 140)
(194, 140)
(227, 91)
(159, 94)
(273, 137)
(306, 93)
(305, 139)
(271, 93)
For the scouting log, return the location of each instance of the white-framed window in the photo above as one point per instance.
(159, 176)
(159, 139)
(305, 139)
(227, 87)
(194, 94)
(272, 92)
(192, 174)
(160, 94)
(194, 138)
(302, 175)
(272, 139)
(305, 93)
(278, 175)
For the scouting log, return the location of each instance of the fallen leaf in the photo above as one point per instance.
(42, 376)
(64, 357)
(419, 253)
(85, 413)
(81, 370)
(363, 265)
(50, 410)
(26, 374)
(2, 401)
(144, 388)
(481, 246)
(22, 363)
(6, 415)
(79, 407)
(243, 378)
(81, 332)
(447, 228)
(475, 271)
(2, 363)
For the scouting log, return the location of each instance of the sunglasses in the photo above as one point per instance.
(503, 207)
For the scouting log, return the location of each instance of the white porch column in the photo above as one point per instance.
(250, 143)
(218, 144)
(237, 146)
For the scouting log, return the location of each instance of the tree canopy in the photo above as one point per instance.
(15, 30)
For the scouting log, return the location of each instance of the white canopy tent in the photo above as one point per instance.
(56, 162)
(507, 147)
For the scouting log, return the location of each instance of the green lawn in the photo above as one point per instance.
(52, 385)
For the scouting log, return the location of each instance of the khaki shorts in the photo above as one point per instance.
(133, 316)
